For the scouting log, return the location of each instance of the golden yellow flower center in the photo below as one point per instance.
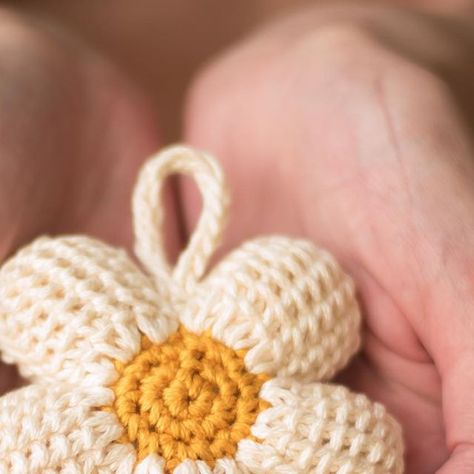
(190, 397)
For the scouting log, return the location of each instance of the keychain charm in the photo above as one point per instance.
(185, 370)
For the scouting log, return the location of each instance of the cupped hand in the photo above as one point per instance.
(353, 126)
(73, 134)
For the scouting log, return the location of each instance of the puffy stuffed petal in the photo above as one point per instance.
(70, 305)
(321, 428)
(152, 464)
(284, 300)
(52, 429)
(222, 466)
(229, 466)
(192, 467)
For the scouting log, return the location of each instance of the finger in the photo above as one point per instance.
(461, 461)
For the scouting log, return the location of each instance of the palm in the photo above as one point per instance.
(335, 157)
(393, 367)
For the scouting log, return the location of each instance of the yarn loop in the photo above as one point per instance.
(148, 215)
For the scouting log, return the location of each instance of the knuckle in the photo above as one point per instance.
(340, 44)
(257, 72)
(342, 64)
(344, 37)
(351, 57)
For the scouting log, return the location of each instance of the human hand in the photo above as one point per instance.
(353, 126)
(73, 134)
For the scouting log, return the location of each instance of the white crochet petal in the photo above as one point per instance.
(287, 302)
(192, 467)
(53, 429)
(152, 464)
(229, 466)
(321, 428)
(70, 305)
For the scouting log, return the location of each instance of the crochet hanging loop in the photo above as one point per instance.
(148, 216)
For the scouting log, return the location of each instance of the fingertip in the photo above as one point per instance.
(461, 460)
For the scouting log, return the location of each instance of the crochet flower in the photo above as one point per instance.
(184, 370)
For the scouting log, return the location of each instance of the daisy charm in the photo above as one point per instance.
(184, 370)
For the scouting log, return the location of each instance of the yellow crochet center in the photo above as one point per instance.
(189, 397)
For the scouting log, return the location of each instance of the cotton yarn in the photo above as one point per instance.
(191, 388)
(184, 370)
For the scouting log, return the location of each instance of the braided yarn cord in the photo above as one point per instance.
(184, 370)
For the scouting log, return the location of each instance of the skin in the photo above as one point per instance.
(73, 133)
(349, 125)
(336, 125)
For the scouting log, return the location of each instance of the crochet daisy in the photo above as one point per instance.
(183, 370)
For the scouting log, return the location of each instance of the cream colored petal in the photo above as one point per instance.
(321, 428)
(70, 305)
(152, 464)
(53, 429)
(193, 467)
(222, 466)
(284, 300)
(229, 466)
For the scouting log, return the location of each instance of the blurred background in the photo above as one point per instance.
(161, 44)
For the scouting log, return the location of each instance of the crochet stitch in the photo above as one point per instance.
(196, 399)
(184, 370)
